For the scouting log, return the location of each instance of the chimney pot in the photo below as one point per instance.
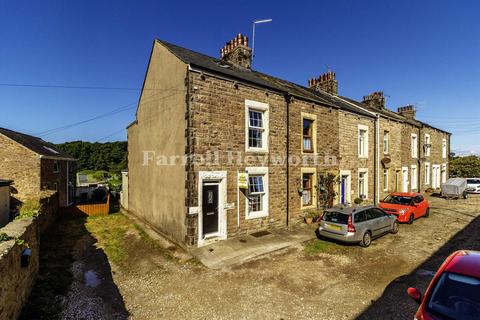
(325, 82)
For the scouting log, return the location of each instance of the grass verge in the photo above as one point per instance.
(316, 246)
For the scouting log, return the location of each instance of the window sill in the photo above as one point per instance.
(362, 157)
(310, 206)
(255, 150)
(256, 215)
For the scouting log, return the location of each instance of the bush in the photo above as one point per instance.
(30, 208)
(358, 201)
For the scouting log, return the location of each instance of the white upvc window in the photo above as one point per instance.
(414, 177)
(427, 173)
(257, 197)
(363, 183)
(414, 145)
(257, 126)
(427, 145)
(386, 142)
(385, 179)
(444, 148)
(362, 141)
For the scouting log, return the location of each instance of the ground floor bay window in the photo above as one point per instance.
(257, 197)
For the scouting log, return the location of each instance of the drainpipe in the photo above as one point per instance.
(377, 158)
(287, 108)
(419, 161)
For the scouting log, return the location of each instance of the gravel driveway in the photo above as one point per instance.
(337, 282)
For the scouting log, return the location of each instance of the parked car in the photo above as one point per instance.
(473, 185)
(455, 188)
(454, 292)
(356, 224)
(406, 206)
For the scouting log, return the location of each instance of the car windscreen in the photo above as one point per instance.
(335, 217)
(455, 296)
(473, 181)
(398, 200)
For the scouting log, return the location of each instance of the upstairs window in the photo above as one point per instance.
(255, 129)
(385, 179)
(444, 148)
(363, 141)
(386, 141)
(55, 167)
(427, 145)
(414, 145)
(256, 116)
(414, 183)
(307, 135)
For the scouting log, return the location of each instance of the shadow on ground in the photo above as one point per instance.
(394, 302)
(74, 278)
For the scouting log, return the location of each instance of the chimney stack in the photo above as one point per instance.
(408, 111)
(375, 100)
(237, 52)
(326, 82)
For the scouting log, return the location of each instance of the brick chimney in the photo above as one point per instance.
(326, 82)
(408, 111)
(375, 100)
(237, 52)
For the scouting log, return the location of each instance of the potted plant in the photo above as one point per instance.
(310, 215)
(358, 201)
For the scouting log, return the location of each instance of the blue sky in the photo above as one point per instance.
(420, 52)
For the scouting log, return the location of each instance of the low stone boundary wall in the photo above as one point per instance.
(16, 281)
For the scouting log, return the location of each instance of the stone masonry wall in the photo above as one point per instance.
(394, 129)
(49, 178)
(16, 281)
(349, 159)
(20, 165)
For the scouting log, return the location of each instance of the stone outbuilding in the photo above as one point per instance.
(4, 201)
(35, 165)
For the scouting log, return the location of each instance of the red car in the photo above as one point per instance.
(454, 292)
(406, 206)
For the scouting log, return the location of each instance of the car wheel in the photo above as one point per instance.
(366, 240)
(395, 227)
(411, 218)
(427, 213)
(465, 195)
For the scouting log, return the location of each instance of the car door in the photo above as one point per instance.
(383, 219)
(373, 222)
(421, 204)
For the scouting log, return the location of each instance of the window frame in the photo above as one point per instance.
(362, 149)
(258, 171)
(414, 146)
(413, 177)
(313, 119)
(427, 173)
(56, 167)
(386, 178)
(263, 108)
(313, 196)
(444, 148)
(365, 180)
(386, 142)
(426, 143)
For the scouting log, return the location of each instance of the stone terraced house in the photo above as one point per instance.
(219, 149)
(35, 165)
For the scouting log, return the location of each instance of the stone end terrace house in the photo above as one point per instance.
(35, 165)
(193, 104)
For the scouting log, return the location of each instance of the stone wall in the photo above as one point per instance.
(21, 165)
(394, 155)
(16, 281)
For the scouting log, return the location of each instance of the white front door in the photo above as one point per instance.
(404, 179)
(436, 176)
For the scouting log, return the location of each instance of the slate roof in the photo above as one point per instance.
(35, 144)
(215, 65)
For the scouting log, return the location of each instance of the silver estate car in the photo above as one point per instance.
(357, 224)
